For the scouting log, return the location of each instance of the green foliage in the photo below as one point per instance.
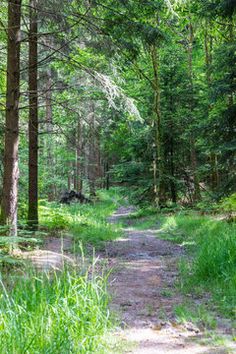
(26, 240)
(115, 49)
(222, 8)
(115, 60)
(212, 244)
(195, 314)
(54, 217)
(60, 313)
(85, 222)
(229, 204)
(143, 212)
(16, 240)
(8, 262)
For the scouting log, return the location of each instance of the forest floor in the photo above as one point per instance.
(144, 295)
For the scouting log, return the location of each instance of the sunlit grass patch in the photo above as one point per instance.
(143, 212)
(213, 256)
(143, 218)
(62, 313)
(142, 223)
(203, 319)
(195, 314)
(85, 222)
(96, 233)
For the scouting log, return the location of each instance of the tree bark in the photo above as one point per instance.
(159, 192)
(98, 162)
(107, 176)
(231, 41)
(172, 169)
(208, 62)
(193, 154)
(92, 153)
(79, 144)
(11, 169)
(69, 176)
(33, 116)
(49, 154)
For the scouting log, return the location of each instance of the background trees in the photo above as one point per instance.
(136, 93)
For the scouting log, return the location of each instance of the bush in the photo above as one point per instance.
(229, 205)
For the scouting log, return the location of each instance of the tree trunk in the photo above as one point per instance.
(92, 154)
(98, 159)
(107, 176)
(193, 154)
(33, 116)
(214, 171)
(172, 169)
(69, 179)
(79, 144)
(49, 156)
(208, 56)
(208, 62)
(231, 41)
(11, 169)
(159, 192)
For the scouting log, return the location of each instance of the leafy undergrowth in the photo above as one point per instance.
(26, 240)
(87, 223)
(65, 312)
(211, 245)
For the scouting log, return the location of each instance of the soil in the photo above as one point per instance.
(54, 254)
(144, 295)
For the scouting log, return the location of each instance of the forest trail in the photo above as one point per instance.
(144, 295)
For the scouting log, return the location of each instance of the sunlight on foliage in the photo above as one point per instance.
(85, 222)
(60, 313)
(113, 92)
(212, 244)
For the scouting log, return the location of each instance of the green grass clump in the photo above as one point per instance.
(143, 212)
(86, 222)
(213, 248)
(195, 314)
(63, 313)
(143, 218)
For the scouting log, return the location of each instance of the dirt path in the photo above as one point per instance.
(142, 285)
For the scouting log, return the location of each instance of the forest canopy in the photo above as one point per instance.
(133, 93)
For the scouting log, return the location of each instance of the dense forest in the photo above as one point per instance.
(129, 100)
(129, 93)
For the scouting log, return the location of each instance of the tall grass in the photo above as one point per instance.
(63, 313)
(213, 263)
